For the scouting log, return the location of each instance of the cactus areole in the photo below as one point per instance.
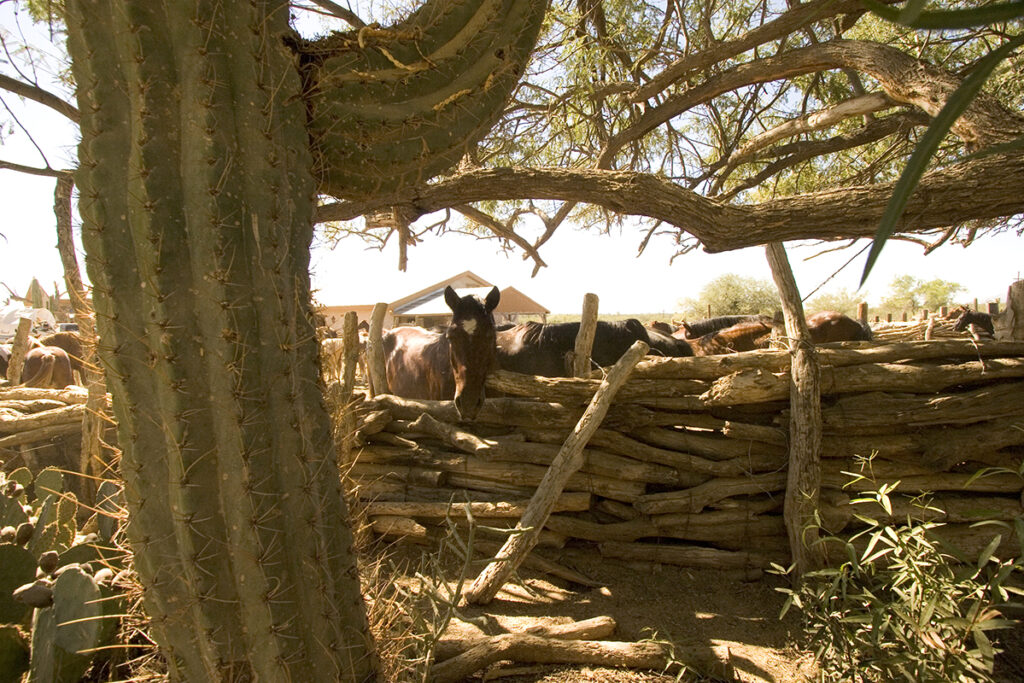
(207, 131)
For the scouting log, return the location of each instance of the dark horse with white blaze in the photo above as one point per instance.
(454, 364)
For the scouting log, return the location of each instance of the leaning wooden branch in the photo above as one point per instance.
(565, 465)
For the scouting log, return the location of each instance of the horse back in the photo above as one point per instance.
(417, 364)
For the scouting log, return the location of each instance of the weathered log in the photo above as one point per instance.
(453, 436)
(620, 443)
(512, 412)
(39, 434)
(758, 455)
(588, 629)
(758, 386)
(743, 431)
(599, 462)
(373, 422)
(515, 473)
(938, 446)
(710, 367)
(835, 355)
(876, 409)
(521, 647)
(617, 509)
(694, 556)
(699, 497)
(67, 395)
(475, 483)
(567, 502)
(557, 478)
(16, 423)
(31, 406)
(928, 483)
(719, 528)
(949, 508)
(402, 528)
(389, 439)
(575, 390)
(410, 474)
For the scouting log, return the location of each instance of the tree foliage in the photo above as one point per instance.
(911, 294)
(733, 294)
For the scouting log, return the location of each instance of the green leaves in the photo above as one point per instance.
(913, 16)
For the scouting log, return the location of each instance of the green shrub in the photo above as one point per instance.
(898, 605)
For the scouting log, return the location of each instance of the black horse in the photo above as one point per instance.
(536, 349)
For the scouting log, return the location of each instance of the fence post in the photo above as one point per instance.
(803, 483)
(585, 337)
(862, 312)
(375, 351)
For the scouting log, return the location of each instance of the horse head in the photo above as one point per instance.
(472, 347)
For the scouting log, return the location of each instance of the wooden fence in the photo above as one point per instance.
(689, 466)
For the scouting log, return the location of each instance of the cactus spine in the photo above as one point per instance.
(197, 192)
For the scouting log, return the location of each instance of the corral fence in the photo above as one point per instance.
(689, 466)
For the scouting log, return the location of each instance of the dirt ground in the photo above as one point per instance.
(729, 628)
(724, 627)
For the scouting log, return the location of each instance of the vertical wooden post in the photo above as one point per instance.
(585, 337)
(1010, 324)
(888, 317)
(375, 351)
(943, 311)
(19, 347)
(993, 308)
(803, 483)
(976, 304)
(709, 311)
(904, 316)
(862, 312)
(350, 356)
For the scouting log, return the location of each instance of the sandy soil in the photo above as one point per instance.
(733, 624)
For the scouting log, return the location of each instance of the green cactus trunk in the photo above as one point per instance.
(196, 195)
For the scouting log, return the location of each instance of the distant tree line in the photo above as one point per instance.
(733, 294)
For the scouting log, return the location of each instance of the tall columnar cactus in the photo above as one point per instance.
(396, 106)
(197, 191)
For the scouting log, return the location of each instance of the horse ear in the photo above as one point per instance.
(451, 298)
(493, 297)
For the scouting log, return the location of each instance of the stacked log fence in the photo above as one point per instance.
(689, 466)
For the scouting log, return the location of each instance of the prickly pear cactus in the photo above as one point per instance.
(14, 653)
(17, 567)
(64, 635)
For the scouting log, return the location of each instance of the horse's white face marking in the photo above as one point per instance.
(469, 326)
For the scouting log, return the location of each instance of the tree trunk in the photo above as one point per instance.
(201, 290)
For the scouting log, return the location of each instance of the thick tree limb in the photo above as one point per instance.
(983, 188)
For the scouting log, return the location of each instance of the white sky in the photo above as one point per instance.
(578, 262)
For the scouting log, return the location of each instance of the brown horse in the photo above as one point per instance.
(743, 336)
(47, 367)
(424, 364)
(833, 326)
(701, 328)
